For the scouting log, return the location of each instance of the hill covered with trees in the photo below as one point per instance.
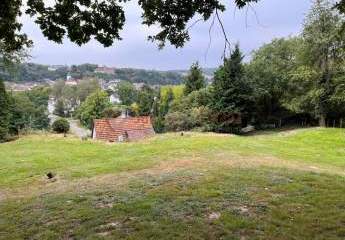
(32, 72)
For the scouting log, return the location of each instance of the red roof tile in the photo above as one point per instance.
(129, 128)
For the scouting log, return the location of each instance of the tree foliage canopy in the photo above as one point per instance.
(127, 93)
(61, 125)
(93, 108)
(269, 72)
(324, 49)
(81, 20)
(28, 110)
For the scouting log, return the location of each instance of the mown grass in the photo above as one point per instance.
(28, 159)
(249, 204)
(210, 199)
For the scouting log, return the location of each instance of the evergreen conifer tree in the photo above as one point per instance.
(195, 79)
(231, 93)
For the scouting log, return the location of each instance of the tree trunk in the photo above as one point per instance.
(322, 121)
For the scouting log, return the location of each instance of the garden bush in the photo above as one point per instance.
(61, 125)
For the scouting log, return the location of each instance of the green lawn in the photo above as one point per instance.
(274, 185)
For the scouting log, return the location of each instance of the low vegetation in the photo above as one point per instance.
(61, 125)
(273, 185)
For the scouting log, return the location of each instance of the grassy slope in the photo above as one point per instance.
(207, 196)
(26, 160)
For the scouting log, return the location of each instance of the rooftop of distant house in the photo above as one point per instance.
(123, 128)
(104, 69)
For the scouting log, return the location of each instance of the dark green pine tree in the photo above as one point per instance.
(145, 100)
(232, 94)
(4, 112)
(195, 80)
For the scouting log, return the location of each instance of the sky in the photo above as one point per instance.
(250, 27)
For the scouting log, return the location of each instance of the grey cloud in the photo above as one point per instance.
(277, 18)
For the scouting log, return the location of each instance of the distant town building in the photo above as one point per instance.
(71, 82)
(110, 85)
(155, 86)
(138, 86)
(20, 87)
(114, 99)
(68, 77)
(105, 70)
(53, 68)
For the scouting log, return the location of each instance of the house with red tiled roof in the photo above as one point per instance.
(123, 128)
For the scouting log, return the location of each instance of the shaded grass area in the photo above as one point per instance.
(25, 162)
(226, 203)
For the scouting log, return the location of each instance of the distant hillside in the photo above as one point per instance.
(208, 72)
(151, 77)
(31, 72)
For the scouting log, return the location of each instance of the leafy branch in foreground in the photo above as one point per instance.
(81, 20)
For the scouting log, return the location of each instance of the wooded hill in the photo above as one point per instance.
(39, 73)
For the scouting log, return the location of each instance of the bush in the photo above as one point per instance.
(111, 112)
(61, 126)
(199, 98)
(134, 109)
(178, 121)
(158, 124)
(202, 118)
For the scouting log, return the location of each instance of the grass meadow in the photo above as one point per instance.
(271, 185)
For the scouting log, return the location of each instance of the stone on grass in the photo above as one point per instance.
(214, 216)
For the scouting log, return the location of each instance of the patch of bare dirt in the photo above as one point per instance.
(243, 209)
(104, 205)
(2, 196)
(291, 132)
(106, 229)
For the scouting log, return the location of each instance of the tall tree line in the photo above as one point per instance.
(297, 80)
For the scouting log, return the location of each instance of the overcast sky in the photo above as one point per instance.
(269, 19)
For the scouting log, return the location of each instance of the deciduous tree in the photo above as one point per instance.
(324, 52)
(93, 108)
(127, 93)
